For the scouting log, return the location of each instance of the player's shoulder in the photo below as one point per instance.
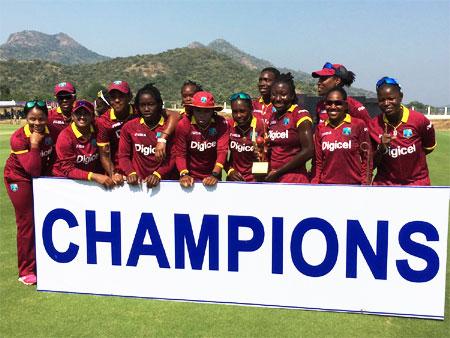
(18, 138)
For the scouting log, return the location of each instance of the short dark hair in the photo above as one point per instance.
(149, 88)
(340, 90)
(272, 70)
(288, 79)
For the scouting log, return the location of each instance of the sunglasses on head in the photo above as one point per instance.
(39, 103)
(241, 95)
(387, 80)
(328, 65)
(335, 102)
(64, 96)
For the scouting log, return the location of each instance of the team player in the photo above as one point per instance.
(76, 148)
(342, 144)
(102, 102)
(244, 129)
(109, 125)
(188, 90)
(201, 142)
(262, 107)
(59, 117)
(139, 137)
(403, 138)
(31, 156)
(332, 76)
(290, 135)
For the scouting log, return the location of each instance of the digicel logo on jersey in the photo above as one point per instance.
(202, 146)
(87, 159)
(332, 146)
(144, 149)
(240, 147)
(399, 151)
(273, 135)
(45, 153)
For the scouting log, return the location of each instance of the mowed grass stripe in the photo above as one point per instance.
(25, 312)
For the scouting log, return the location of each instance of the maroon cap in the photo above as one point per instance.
(204, 100)
(64, 87)
(327, 70)
(121, 86)
(83, 104)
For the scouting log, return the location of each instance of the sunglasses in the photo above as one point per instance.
(387, 80)
(241, 95)
(335, 102)
(39, 103)
(328, 65)
(64, 97)
(89, 106)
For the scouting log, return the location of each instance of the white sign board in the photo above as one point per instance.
(377, 250)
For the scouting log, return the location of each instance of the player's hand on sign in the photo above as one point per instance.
(117, 178)
(152, 181)
(210, 181)
(133, 179)
(104, 180)
(186, 181)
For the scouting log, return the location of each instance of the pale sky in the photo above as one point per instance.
(408, 40)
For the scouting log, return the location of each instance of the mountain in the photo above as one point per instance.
(168, 70)
(224, 47)
(60, 48)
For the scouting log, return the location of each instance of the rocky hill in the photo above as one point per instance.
(60, 48)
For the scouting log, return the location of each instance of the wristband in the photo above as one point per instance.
(216, 175)
(90, 176)
(162, 140)
(132, 173)
(157, 174)
(184, 172)
(220, 165)
(230, 171)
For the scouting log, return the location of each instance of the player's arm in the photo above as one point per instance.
(318, 158)
(172, 121)
(29, 156)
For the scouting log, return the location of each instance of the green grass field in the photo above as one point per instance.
(25, 312)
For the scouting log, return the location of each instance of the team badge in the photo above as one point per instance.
(286, 121)
(251, 134)
(117, 82)
(407, 133)
(274, 110)
(48, 141)
(346, 131)
(212, 131)
(158, 134)
(14, 187)
(203, 99)
(62, 84)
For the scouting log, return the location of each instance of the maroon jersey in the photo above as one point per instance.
(341, 152)
(76, 157)
(242, 154)
(355, 109)
(261, 110)
(137, 147)
(284, 142)
(109, 131)
(200, 150)
(405, 163)
(24, 163)
(57, 122)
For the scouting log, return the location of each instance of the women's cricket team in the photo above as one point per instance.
(113, 140)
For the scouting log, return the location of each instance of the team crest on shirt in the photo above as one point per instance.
(251, 134)
(407, 133)
(274, 110)
(212, 131)
(346, 131)
(48, 141)
(158, 134)
(14, 187)
(286, 121)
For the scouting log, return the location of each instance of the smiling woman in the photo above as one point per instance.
(31, 156)
(76, 148)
